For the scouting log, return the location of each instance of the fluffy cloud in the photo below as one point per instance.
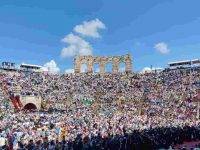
(51, 67)
(148, 70)
(69, 71)
(90, 28)
(162, 48)
(76, 46)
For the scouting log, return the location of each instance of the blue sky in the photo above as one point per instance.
(155, 32)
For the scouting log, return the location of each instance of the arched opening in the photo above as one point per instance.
(30, 106)
(84, 67)
(122, 67)
(96, 68)
(108, 67)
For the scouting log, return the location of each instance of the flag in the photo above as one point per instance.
(6, 103)
(87, 102)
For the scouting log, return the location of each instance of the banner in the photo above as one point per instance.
(87, 102)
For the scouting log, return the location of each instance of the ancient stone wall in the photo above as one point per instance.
(102, 61)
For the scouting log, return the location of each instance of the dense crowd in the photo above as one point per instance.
(126, 110)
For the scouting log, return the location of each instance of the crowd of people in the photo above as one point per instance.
(111, 111)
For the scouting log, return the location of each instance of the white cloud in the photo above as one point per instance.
(76, 46)
(69, 71)
(51, 67)
(90, 28)
(148, 69)
(162, 48)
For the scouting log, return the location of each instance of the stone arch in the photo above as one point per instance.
(102, 61)
(30, 106)
(108, 67)
(122, 66)
(96, 67)
(78, 61)
(31, 100)
(84, 67)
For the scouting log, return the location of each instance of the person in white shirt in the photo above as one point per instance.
(2, 141)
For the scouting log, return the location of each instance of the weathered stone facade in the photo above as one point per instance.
(102, 61)
(31, 99)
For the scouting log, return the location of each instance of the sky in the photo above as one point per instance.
(50, 33)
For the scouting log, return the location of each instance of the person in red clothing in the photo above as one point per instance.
(14, 102)
(17, 98)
